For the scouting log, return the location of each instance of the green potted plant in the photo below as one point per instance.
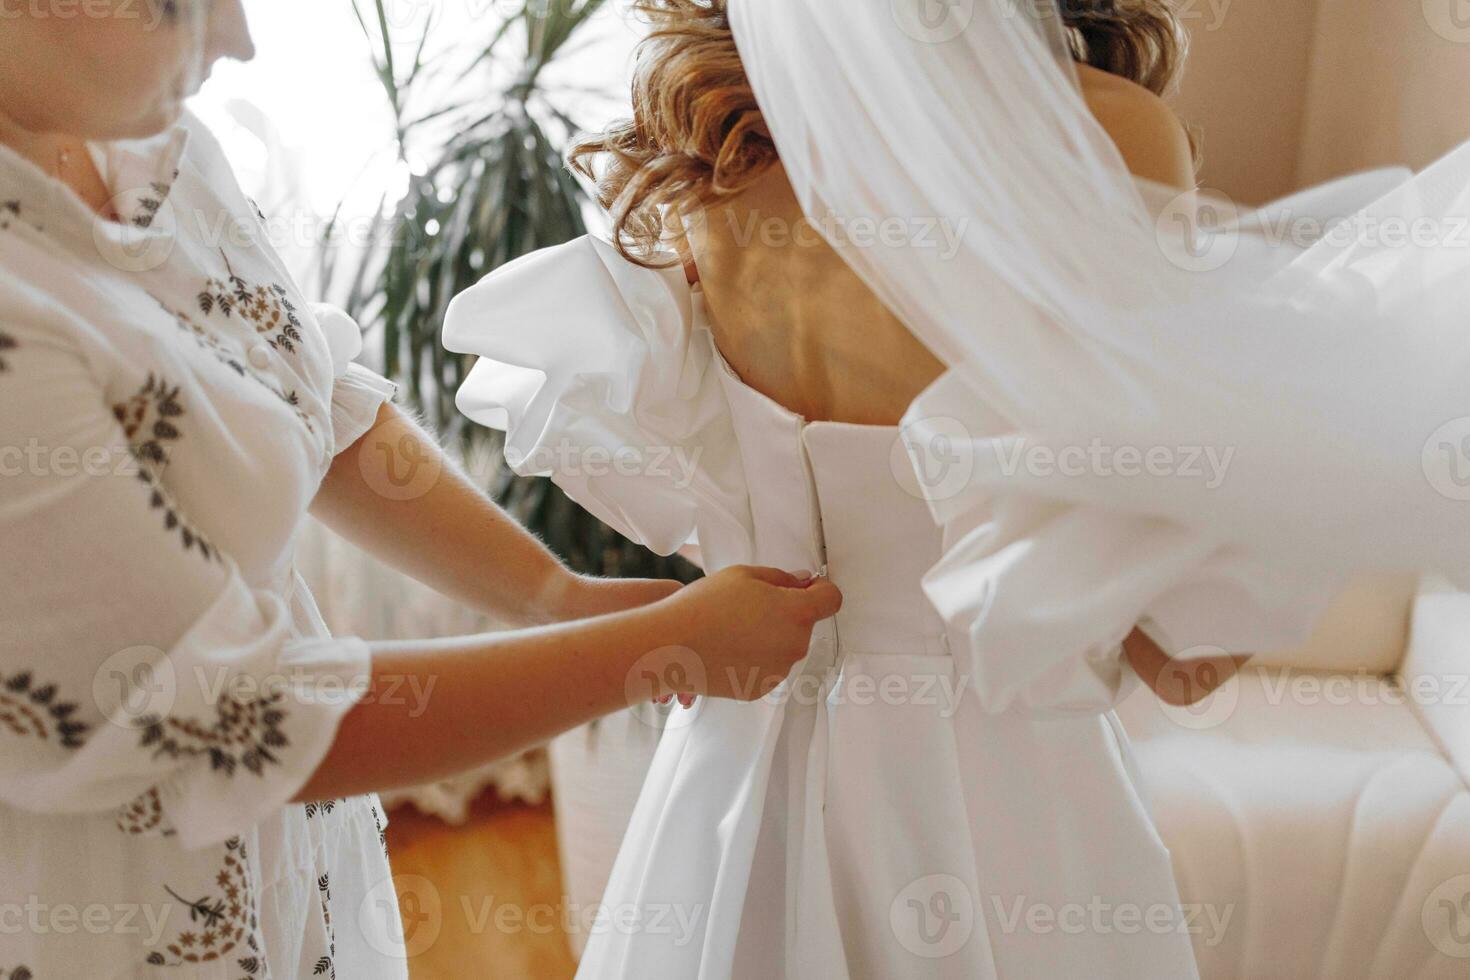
(489, 129)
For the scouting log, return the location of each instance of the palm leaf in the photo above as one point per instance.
(495, 187)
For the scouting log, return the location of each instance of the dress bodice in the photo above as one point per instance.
(605, 377)
(831, 496)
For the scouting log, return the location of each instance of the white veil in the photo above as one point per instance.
(1086, 316)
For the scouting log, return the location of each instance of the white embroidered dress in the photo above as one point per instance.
(168, 408)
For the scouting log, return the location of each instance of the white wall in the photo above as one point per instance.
(1293, 92)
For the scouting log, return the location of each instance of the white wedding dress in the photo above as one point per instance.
(859, 824)
(871, 819)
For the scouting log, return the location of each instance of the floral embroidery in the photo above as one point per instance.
(268, 308)
(9, 210)
(149, 204)
(144, 817)
(222, 352)
(382, 826)
(245, 734)
(149, 420)
(326, 965)
(324, 807)
(31, 711)
(219, 924)
(146, 419)
(10, 213)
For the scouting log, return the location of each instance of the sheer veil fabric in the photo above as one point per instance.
(1132, 373)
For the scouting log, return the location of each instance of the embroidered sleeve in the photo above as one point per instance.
(135, 662)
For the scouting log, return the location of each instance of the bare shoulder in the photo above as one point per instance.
(1146, 130)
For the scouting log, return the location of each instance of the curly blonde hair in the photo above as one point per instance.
(697, 135)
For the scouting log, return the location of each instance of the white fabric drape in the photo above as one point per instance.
(1102, 334)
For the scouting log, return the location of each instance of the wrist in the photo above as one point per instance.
(557, 598)
(674, 660)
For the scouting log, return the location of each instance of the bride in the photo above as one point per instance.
(859, 263)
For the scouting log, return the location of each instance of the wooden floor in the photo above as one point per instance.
(483, 900)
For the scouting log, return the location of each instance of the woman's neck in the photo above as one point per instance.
(64, 157)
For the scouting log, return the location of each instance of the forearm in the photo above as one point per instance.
(437, 526)
(439, 707)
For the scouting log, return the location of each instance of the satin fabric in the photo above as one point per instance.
(871, 818)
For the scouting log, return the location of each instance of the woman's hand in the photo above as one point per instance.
(736, 634)
(741, 631)
(1179, 682)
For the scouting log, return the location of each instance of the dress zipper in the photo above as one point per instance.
(818, 531)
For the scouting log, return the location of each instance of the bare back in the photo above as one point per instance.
(797, 324)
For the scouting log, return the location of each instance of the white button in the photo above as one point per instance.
(260, 356)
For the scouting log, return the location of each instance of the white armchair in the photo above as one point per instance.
(1317, 807)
